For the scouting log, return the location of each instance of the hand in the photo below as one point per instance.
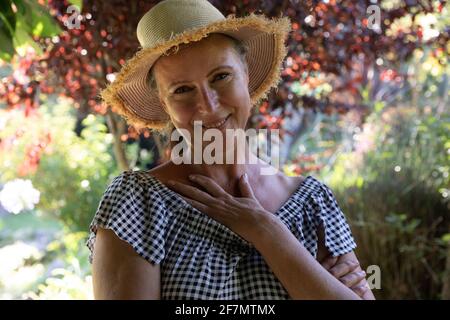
(242, 215)
(349, 273)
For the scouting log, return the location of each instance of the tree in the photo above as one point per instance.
(332, 52)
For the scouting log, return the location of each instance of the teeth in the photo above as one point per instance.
(217, 124)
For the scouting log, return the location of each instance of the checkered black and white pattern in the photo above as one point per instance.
(201, 258)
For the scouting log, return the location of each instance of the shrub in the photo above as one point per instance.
(396, 195)
(70, 172)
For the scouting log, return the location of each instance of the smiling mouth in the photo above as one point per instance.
(218, 124)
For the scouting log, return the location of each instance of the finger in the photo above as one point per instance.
(362, 283)
(245, 187)
(191, 192)
(329, 262)
(205, 209)
(352, 279)
(343, 268)
(198, 205)
(360, 290)
(209, 184)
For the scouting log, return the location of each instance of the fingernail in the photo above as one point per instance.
(192, 177)
(245, 176)
(171, 182)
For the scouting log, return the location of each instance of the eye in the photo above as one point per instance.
(181, 90)
(221, 76)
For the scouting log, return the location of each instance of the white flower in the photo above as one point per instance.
(18, 195)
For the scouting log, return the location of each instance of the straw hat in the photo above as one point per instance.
(171, 23)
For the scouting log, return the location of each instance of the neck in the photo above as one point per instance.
(227, 175)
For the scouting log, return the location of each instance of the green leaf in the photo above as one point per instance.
(6, 46)
(38, 21)
(21, 7)
(23, 39)
(365, 94)
(7, 28)
(78, 3)
(379, 105)
(359, 182)
(7, 17)
(411, 226)
(38, 28)
(446, 237)
(17, 29)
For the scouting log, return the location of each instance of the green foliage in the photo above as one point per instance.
(26, 226)
(17, 29)
(42, 259)
(396, 197)
(72, 172)
(63, 285)
(7, 29)
(395, 193)
(72, 280)
(394, 188)
(78, 3)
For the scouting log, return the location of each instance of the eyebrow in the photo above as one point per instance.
(209, 73)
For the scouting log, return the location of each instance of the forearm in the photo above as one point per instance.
(297, 270)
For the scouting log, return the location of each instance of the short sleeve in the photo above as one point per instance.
(338, 236)
(136, 214)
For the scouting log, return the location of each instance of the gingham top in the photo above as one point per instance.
(199, 257)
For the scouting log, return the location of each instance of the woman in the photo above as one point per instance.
(194, 230)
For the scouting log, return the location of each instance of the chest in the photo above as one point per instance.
(273, 194)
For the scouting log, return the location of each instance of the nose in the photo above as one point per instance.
(208, 99)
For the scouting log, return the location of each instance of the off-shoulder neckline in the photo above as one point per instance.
(298, 191)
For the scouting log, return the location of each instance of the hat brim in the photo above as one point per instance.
(130, 96)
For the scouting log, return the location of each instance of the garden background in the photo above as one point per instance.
(363, 105)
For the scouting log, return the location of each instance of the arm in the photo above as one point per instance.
(298, 271)
(353, 280)
(301, 275)
(118, 272)
(345, 267)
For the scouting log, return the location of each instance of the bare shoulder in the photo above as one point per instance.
(291, 183)
(118, 272)
(170, 171)
(297, 180)
(166, 171)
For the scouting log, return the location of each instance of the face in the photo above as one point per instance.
(206, 81)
